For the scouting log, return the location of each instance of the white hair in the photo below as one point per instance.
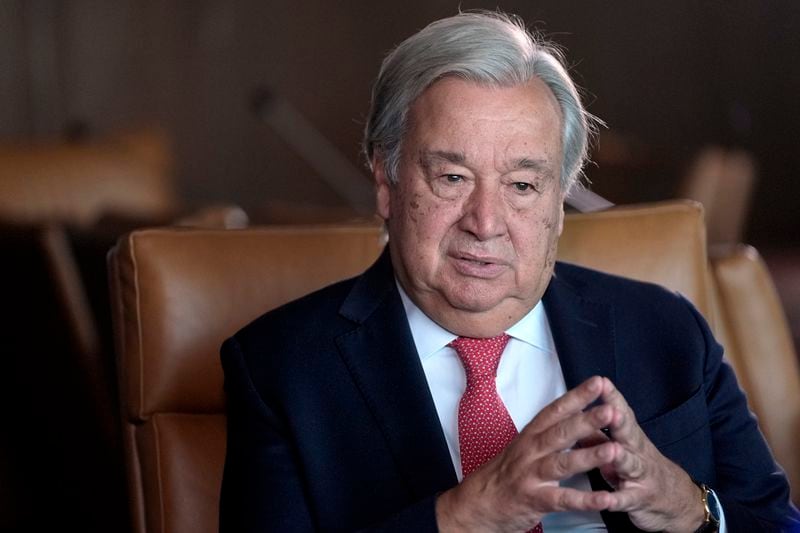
(490, 48)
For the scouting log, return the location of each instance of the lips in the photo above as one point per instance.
(477, 258)
(478, 266)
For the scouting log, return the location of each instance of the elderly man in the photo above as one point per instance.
(467, 381)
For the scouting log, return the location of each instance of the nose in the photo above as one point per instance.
(484, 212)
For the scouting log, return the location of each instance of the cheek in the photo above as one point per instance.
(406, 204)
(536, 238)
(423, 217)
(416, 212)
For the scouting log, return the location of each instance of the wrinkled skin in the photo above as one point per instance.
(477, 211)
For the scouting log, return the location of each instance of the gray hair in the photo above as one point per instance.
(483, 47)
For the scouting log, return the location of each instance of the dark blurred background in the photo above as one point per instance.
(667, 77)
(153, 100)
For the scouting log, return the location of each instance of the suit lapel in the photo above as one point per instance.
(583, 332)
(382, 359)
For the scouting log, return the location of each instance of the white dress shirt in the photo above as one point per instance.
(529, 358)
(528, 378)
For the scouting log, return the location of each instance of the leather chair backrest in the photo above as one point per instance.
(662, 243)
(178, 293)
(759, 346)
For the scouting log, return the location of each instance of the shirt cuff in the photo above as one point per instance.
(722, 528)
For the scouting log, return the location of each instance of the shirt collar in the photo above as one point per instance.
(430, 337)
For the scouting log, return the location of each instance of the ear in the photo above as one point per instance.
(382, 187)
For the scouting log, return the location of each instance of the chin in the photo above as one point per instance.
(472, 300)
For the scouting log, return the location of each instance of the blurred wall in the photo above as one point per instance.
(667, 77)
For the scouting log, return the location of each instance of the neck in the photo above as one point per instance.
(474, 324)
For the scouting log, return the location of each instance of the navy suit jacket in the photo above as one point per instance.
(331, 425)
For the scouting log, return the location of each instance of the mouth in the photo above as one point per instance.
(479, 259)
(476, 261)
(478, 266)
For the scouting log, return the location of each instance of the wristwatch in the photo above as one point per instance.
(712, 510)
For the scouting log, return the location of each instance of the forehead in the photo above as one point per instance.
(463, 117)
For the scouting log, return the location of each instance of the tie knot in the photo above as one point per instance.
(480, 356)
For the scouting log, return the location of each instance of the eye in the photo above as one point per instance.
(450, 186)
(522, 186)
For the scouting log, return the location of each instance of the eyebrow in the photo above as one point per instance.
(526, 163)
(429, 157)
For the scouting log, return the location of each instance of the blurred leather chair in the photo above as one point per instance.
(125, 175)
(759, 346)
(722, 180)
(77, 268)
(178, 294)
(223, 216)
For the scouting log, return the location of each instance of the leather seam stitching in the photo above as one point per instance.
(140, 392)
(158, 475)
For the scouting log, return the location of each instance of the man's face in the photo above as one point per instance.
(477, 211)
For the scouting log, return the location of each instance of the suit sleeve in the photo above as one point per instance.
(263, 486)
(751, 487)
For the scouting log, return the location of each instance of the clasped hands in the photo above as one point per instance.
(519, 486)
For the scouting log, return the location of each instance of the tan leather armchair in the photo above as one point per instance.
(758, 344)
(177, 294)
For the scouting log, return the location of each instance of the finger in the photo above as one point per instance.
(623, 428)
(573, 401)
(557, 499)
(565, 433)
(609, 473)
(628, 465)
(625, 500)
(561, 465)
(595, 439)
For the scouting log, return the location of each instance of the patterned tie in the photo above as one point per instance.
(484, 425)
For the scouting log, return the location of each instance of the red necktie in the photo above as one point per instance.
(484, 425)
